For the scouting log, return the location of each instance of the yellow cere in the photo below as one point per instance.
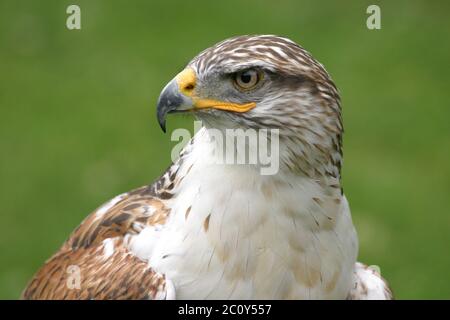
(186, 81)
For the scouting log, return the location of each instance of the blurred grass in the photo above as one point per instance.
(77, 122)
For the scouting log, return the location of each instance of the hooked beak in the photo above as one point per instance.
(171, 100)
(179, 95)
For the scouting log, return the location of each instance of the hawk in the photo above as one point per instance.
(209, 230)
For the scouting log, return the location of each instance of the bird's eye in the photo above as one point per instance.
(247, 79)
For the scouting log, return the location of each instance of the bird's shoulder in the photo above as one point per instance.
(368, 284)
(125, 214)
(95, 262)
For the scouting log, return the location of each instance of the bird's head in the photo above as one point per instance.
(264, 82)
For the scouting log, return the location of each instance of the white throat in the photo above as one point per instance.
(234, 233)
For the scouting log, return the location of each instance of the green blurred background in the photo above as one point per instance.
(77, 120)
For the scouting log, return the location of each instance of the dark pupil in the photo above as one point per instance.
(246, 77)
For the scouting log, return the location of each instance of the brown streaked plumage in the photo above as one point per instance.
(118, 275)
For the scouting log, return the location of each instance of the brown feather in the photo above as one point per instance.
(120, 275)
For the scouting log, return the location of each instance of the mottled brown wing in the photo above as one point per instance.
(94, 263)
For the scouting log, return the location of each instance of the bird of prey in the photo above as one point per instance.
(211, 230)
